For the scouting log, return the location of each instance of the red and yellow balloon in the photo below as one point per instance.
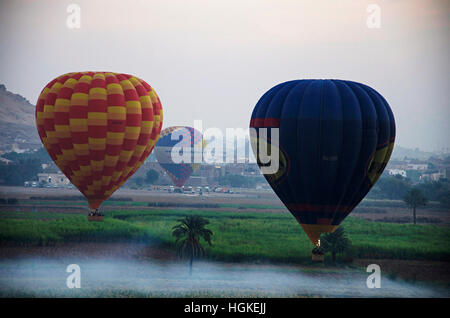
(98, 127)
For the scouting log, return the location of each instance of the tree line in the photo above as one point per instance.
(26, 166)
(397, 187)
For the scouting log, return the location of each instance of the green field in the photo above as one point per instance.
(238, 236)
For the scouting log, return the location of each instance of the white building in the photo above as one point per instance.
(418, 166)
(6, 161)
(57, 179)
(431, 176)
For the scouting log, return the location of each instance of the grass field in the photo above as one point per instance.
(238, 236)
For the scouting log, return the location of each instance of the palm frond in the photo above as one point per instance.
(188, 233)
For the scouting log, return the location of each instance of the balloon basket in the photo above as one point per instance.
(96, 218)
(318, 257)
(318, 254)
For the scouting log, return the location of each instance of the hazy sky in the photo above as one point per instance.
(212, 60)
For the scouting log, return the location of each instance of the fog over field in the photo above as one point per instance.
(46, 277)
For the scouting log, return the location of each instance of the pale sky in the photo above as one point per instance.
(212, 60)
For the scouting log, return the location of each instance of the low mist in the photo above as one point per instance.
(118, 277)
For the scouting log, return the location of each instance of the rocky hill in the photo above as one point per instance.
(17, 125)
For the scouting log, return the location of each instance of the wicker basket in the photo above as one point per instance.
(318, 257)
(96, 218)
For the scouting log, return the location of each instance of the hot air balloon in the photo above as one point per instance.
(98, 127)
(335, 139)
(170, 144)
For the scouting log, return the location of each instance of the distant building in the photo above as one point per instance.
(57, 179)
(196, 181)
(414, 175)
(261, 186)
(445, 172)
(397, 172)
(397, 164)
(431, 176)
(210, 172)
(418, 166)
(6, 161)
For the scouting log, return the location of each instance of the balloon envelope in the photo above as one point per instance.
(98, 127)
(335, 139)
(180, 164)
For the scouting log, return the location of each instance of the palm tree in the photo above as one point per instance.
(188, 234)
(336, 242)
(415, 198)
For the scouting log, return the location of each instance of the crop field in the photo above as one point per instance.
(238, 236)
(69, 201)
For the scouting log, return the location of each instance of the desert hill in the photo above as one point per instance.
(17, 125)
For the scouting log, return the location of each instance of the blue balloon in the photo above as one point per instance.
(186, 138)
(335, 139)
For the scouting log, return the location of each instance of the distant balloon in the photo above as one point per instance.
(98, 127)
(335, 139)
(168, 152)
